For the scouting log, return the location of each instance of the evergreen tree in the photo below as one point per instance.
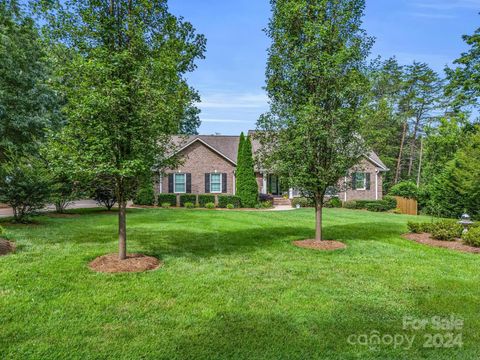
(246, 181)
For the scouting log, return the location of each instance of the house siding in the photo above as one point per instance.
(351, 194)
(198, 160)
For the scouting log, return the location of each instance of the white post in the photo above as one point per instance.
(376, 184)
(234, 185)
(264, 183)
(290, 193)
(160, 188)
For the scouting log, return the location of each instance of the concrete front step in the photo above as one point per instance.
(281, 201)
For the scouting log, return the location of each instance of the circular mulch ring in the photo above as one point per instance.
(324, 245)
(6, 247)
(457, 245)
(133, 263)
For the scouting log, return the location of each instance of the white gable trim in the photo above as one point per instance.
(382, 168)
(208, 146)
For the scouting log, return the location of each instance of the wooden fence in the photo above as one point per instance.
(407, 206)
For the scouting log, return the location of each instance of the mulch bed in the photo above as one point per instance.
(6, 247)
(457, 245)
(325, 245)
(133, 263)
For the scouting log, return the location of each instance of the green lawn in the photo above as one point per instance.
(233, 287)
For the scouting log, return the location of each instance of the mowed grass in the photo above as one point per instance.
(232, 287)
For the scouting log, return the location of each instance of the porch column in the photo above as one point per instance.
(264, 183)
(234, 185)
(376, 184)
(290, 193)
(160, 183)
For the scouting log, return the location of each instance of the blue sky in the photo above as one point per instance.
(231, 78)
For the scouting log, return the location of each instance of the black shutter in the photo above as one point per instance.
(354, 181)
(207, 183)
(367, 181)
(170, 183)
(224, 183)
(189, 183)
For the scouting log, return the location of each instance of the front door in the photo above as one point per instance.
(274, 185)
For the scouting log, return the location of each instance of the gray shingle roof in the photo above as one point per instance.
(228, 146)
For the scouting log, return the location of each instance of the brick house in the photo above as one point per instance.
(209, 163)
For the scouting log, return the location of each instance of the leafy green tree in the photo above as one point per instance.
(247, 187)
(316, 83)
(406, 189)
(464, 80)
(28, 106)
(419, 100)
(25, 185)
(457, 188)
(383, 123)
(124, 85)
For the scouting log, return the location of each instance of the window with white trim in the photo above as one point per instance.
(216, 183)
(360, 181)
(179, 183)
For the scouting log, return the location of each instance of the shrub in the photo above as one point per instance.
(189, 205)
(265, 197)
(224, 200)
(406, 189)
(171, 199)
(230, 206)
(266, 205)
(210, 205)
(302, 201)
(25, 185)
(203, 200)
(105, 196)
(418, 227)
(145, 196)
(378, 206)
(2, 231)
(447, 230)
(165, 205)
(391, 202)
(188, 198)
(352, 204)
(334, 202)
(472, 237)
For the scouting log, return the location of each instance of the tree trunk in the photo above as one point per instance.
(122, 227)
(400, 154)
(412, 147)
(318, 221)
(420, 163)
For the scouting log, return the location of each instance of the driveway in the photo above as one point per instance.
(79, 204)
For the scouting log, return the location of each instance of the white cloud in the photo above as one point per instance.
(234, 101)
(231, 121)
(443, 5)
(433, 15)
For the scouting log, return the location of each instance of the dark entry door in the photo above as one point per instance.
(274, 185)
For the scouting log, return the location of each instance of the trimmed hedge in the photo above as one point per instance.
(203, 200)
(188, 198)
(145, 196)
(387, 204)
(167, 198)
(447, 230)
(334, 202)
(472, 237)
(302, 201)
(224, 200)
(406, 189)
(418, 228)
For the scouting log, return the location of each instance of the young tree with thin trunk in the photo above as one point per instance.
(317, 88)
(122, 67)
